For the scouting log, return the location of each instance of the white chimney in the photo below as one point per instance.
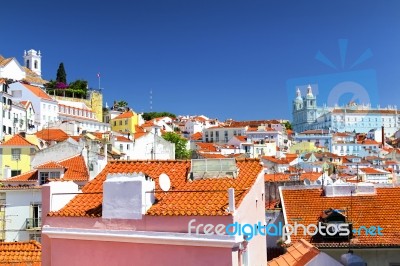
(231, 197)
(127, 196)
(6, 172)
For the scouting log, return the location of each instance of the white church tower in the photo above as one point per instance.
(32, 60)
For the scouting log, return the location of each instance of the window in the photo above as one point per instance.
(115, 123)
(16, 154)
(120, 122)
(127, 147)
(35, 64)
(121, 147)
(44, 176)
(36, 215)
(15, 172)
(126, 121)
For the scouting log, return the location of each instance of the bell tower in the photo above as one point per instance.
(33, 61)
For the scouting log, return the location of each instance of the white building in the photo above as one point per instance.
(144, 146)
(350, 118)
(16, 116)
(30, 72)
(77, 117)
(46, 109)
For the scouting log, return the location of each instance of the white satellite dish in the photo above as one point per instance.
(164, 181)
(307, 182)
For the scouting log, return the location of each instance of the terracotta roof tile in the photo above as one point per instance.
(198, 197)
(17, 140)
(49, 165)
(20, 253)
(128, 114)
(122, 139)
(208, 147)
(52, 134)
(298, 254)
(38, 92)
(306, 205)
(28, 176)
(211, 155)
(196, 136)
(75, 170)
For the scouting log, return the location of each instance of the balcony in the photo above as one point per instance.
(33, 224)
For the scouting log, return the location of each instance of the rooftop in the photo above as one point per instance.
(207, 197)
(20, 253)
(305, 205)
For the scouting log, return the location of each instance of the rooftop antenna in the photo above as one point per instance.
(151, 100)
(165, 182)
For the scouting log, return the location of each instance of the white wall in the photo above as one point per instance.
(17, 210)
(12, 71)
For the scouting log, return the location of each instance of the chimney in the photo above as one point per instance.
(127, 196)
(231, 197)
(6, 172)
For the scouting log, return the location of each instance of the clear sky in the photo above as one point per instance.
(223, 59)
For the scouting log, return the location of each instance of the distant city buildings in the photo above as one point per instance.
(350, 118)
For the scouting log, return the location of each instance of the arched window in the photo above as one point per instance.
(27, 63)
(36, 64)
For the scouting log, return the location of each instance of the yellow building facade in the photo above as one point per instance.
(125, 122)
(304, 147)
(16, 154)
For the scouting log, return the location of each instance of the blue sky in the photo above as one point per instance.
(223, 59)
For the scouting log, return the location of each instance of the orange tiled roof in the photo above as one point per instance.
(276, 160)
(306, 205)
(211, 155)
(278, 177)
(128, 114)
(210, 147)
(242, 138)
(298, 254)
(32, 77)
(4, 61)
(49, 165)
(20, 253)
(28, 176)
(38, 92)
(17, 140)
(122, 139)
(75, 170)
(369, 170)
(52, 134)
(198, 197)
(197, 136)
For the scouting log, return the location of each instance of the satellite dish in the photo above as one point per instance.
(307, 182)
(165, 182)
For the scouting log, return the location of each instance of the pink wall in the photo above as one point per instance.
(252, 211)
(81, 252)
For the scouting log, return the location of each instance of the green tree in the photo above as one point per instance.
(288, 125)
(121, 103)
(152, 115)
(180, 145)
(61, 75)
